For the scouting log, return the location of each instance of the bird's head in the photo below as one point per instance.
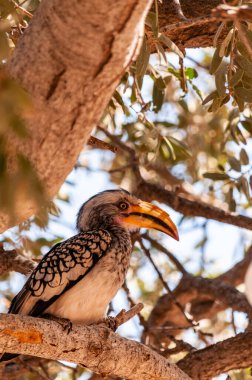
(120, 208)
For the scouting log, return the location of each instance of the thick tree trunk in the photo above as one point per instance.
(70, 60)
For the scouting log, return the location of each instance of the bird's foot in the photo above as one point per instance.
(65, 323)
(111, 323)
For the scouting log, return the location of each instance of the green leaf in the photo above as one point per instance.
(191, 73)
(142, 61)
(182, 146)
(175, 72)
(235, 164)
(216, 176)
(170, 148)
(216, 61)
(197, 90)
(171, 45)
(244, 158)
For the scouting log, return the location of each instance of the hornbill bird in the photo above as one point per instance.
(78, 277)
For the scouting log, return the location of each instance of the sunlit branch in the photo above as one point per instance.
(96, 347)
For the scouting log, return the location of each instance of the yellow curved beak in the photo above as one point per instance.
(147, 215)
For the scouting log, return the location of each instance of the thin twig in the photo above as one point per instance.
(170, 292)
(13, 261)
(182, 76)
(96, 143)
(189, 23)
(161, 248)
(116, 140)
(23, 10)
(124, 316)
(180, 346)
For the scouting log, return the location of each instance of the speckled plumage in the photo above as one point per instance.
(78, 278)
(60, 285)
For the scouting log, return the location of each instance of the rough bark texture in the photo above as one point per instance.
(98, 348)
(196, 30)
(70, 60)
(190, 206)
(214, 360)
(207, 297)
(72, 68)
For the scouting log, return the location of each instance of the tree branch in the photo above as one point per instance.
(187, 204)
(198, 27)
(12, 261)
(232, 353)
(195, 291)
(192, 207)
(96, 347)
(95, 143)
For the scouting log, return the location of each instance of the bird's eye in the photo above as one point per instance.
(123, 206)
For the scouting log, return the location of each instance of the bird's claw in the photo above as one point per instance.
(65, 323)
(111, 323)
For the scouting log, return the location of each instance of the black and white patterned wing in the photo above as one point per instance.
(59, 270)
